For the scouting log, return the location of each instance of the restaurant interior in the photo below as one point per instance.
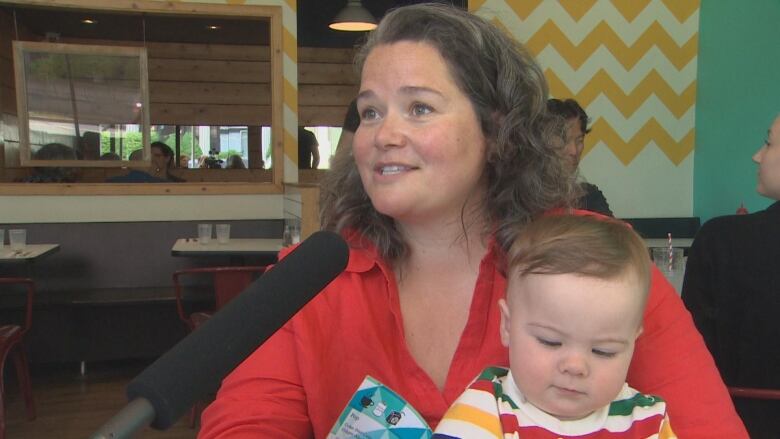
(123, 269)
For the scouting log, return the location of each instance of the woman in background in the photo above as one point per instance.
(732, 288)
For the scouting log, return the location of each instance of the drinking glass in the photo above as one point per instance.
(223, 233)
(17, 238)
(204, 233)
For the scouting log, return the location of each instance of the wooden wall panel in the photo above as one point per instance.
(186, 92)
(209, 70)
(326, 73)
(213, 114)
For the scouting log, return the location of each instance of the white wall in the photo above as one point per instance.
(95, 208)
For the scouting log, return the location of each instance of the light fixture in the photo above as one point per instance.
(88, 21)
(213, 27)
(354, 17)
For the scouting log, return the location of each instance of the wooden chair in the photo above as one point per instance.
(11, 342)
(227, 283)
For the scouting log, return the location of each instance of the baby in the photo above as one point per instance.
(576, 292)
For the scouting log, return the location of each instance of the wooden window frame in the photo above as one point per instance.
(20, 48)
(275, 186)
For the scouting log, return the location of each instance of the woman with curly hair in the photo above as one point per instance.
(454, 151)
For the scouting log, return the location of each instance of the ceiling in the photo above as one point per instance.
(314, 16)
(313, 19)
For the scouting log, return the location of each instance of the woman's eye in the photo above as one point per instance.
(550, 343)
(602, 353)
(368, 114)
(421, 109)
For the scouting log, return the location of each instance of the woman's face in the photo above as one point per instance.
(575, 141)
(419, 148)
(768, 159)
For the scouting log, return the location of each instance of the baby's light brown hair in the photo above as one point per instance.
(588, 245)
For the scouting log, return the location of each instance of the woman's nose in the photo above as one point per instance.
(390, 132)
(757, 156)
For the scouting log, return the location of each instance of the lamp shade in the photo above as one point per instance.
(354, 17)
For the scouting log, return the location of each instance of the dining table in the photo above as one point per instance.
(29, 253)
(265, 249)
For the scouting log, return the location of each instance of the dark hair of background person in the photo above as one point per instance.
(352, 118)
(53, 174)
(89, 146)
(508, 92)
(110, 156)
(235, 162)
(569, 109)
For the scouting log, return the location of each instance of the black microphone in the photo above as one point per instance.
(195, 367)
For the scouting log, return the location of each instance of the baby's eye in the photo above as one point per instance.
(419, 109)
(603, 353)
(550, 343)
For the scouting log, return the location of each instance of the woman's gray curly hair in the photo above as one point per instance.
(524, 172)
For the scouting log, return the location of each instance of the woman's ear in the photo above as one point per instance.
(505, 322)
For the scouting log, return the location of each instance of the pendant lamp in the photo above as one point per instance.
(354, 17)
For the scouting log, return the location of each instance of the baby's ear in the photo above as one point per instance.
(505, 322)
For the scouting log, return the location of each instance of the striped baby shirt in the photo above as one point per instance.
(492, 407)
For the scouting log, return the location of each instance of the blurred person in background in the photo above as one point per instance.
(576, 125)
(732, 289)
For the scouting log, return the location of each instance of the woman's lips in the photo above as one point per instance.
(392, 169)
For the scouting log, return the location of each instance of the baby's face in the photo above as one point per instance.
(570, 339)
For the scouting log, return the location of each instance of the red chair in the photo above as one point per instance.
(227, 283)
(754, 393)
(12, 336)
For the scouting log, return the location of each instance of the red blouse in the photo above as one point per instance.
(299, 381)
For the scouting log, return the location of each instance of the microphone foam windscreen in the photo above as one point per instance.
(195, 367)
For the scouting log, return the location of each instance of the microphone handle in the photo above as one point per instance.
(134, 417)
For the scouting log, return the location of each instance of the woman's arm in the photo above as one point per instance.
(672, 361)
(262, 397)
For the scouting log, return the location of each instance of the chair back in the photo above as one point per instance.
(29, 287)
(227, 283)
(754, 393)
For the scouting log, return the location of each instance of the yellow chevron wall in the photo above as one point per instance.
(632, 65)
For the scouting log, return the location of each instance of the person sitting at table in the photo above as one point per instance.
(452, 154)
(162, 162)
(53, 174)
(732, 289)
(576, 128)
(135, 174)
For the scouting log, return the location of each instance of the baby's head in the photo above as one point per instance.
(576, 292)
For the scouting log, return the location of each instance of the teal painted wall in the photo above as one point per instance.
(738, 96)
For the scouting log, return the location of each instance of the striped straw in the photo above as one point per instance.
(671, 252)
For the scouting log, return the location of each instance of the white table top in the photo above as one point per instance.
(676, 242)
(28, 254)
(234, 247)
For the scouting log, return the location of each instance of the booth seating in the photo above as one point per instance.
(108, 293)
(679, 227)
